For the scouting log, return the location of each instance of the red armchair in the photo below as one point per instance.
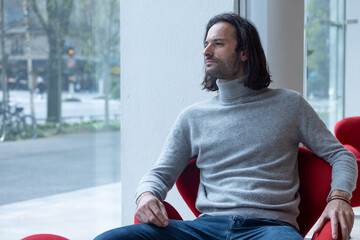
(44, 237)
(347, 131)
(315, 179)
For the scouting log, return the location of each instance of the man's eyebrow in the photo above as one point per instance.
(218, 39)
(215, 40)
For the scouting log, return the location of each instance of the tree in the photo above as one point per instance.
(109, 41)
(3, 58)
(56, 25)
(317, 35)
(96, 30)
(28, 57)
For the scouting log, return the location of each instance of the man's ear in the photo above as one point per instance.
(243, 55)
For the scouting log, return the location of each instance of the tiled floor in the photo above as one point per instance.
(78, 215)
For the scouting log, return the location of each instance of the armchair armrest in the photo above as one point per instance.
(325, 233)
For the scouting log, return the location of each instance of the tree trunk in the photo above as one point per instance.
(56, 27)
(54, 67)
(3, 59)
(30, 73)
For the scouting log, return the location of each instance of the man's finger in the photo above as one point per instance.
(164, 213)
(334, 225)
(320, 224)
(158, 213)
(152, 218)
(140, 214)
(343, 226)
(349, 216)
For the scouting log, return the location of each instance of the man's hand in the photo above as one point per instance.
(150, 210)
(339, 212)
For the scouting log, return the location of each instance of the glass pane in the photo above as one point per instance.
(325, 58)
(59, 116)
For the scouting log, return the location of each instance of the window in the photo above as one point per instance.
(17, 46)
(325, 43)
(60, 123)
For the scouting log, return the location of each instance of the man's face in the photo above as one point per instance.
(221, 59)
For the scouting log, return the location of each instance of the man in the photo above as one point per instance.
(246, 141)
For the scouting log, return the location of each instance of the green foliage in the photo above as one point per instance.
(95, 31)
(50, 129)
(317, 37)
(11, 135)
(115, 87)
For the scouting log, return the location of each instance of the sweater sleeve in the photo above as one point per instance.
(172, 161)
(315, 136)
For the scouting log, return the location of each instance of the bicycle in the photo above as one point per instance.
(13, 122)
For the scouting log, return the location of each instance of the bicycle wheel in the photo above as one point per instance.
(15, 122)
(28, 127)
(2, 128)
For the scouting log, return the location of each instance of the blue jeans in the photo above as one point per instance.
(208, 228)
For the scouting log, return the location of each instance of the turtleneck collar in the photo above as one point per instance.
(233, 90)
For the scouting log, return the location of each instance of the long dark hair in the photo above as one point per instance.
(247, 39)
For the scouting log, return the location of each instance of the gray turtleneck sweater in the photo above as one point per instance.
(247, 143)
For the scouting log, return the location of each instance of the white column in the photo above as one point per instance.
(161, 73)
(281, 27)
(352, 77)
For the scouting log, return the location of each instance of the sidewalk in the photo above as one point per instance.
(89, 105)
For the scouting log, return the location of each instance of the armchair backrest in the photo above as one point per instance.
(315, 180)
(188, 184)
(347, 131)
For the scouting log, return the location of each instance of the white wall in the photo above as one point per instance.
(161, 73)
(285, 43)
(352, 77)
(281, 28)
(256, 12)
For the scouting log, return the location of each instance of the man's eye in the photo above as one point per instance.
(219, 44)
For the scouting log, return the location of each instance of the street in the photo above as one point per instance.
(41, 167)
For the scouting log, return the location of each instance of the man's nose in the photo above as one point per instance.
(207, 51)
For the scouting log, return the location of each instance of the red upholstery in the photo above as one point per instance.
(44, 237)
(325, 233)
(347, 131)
(315, 180)
(355, 200)
(188, 185)
(353, 150)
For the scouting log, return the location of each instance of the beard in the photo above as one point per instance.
(223, 69)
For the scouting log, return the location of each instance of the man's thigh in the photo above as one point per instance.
(264, 229)
(201, 228)
(278, 232)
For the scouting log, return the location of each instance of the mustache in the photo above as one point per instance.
(212, 58)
